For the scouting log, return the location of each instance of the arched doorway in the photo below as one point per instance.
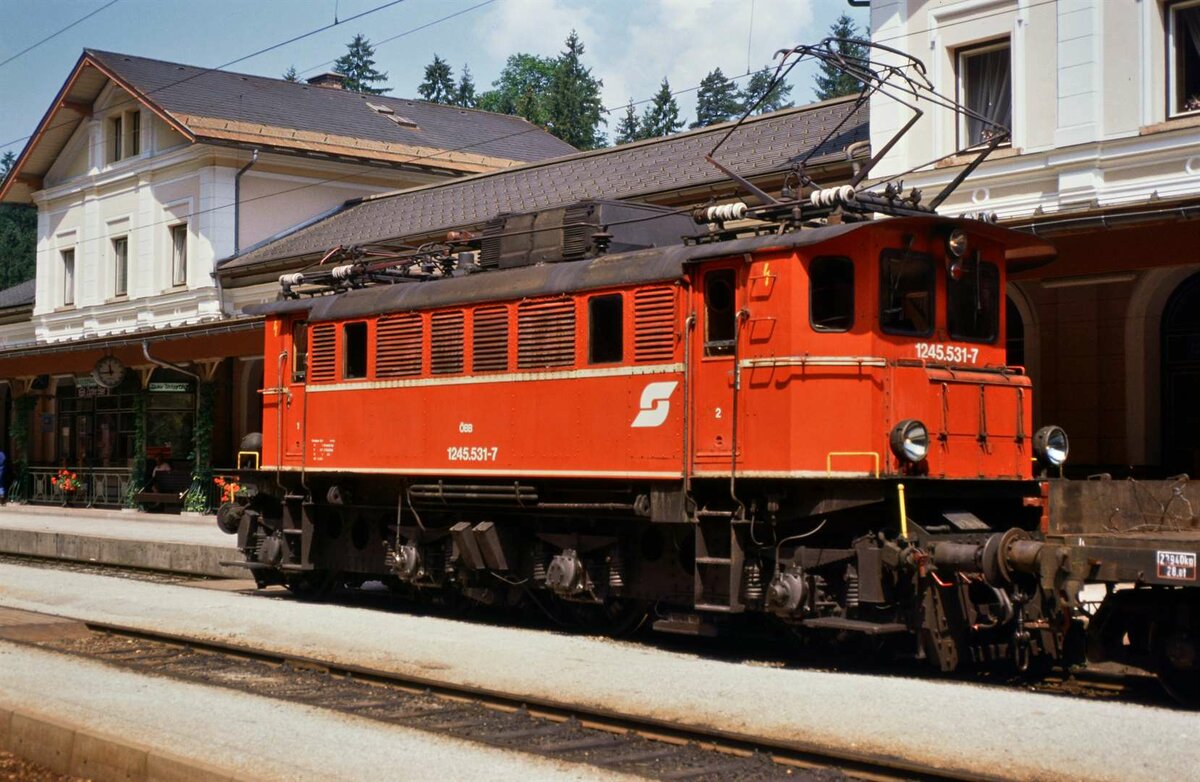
(1181, 379)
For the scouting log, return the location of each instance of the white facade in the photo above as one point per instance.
(1095, 90)
(129, 236)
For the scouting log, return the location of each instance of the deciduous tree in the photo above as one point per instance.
(522, 88)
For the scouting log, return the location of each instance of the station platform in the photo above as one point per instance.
(150, 541)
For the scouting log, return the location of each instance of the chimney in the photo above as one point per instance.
(333, 81)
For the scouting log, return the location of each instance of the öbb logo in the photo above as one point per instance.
(655, 404)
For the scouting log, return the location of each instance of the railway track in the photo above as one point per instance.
(1101, 684)
(575, 733)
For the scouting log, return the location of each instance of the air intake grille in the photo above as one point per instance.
(398, 346)
(654, 324)
(546, 333)
(489, 349)
(446, 341)
(322, 358)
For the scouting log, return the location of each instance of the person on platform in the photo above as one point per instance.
(3, 489)
(161, 466)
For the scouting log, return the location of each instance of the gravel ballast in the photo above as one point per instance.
(987, 730)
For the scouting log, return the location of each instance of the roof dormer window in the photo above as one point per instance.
(124, 135)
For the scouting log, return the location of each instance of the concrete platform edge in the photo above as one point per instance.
(144, 554)
(78, 750)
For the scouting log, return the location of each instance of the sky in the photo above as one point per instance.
(630, 45)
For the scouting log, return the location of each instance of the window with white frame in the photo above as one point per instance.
(120, 247)
(68, 266)
(1183, 57)
(985, 88)
(179, 254)
(124, 135)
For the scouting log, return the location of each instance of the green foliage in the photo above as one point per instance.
(18, 235)
(196, 499)
(629, 129)
(290, 74)
(438, 86)
(139, 449)
(522, 88)
(774, 100)
(18, 429)
(464, 93)
(574, 109)
(717, 100)
(830, 81)
(357, 65)
(661, 117)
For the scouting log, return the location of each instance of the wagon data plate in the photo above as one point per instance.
(1176, 565)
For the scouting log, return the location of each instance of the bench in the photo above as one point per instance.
(168, 491)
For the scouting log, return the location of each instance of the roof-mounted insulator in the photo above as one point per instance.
(720, 213)
(832, 196)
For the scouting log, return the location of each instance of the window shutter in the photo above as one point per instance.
(489, 348)
(398, 345)
(446, 341)
(546, 333)
(654, 324)
(322, 366)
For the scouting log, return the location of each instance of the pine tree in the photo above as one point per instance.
(357, 65)
(661, 117)
(758, 85)
(290, 74)
(6, 163)
(464, 93)
(574, 109)
(628, 129)
(438, 86)
(831, 82)
(18, 235)
(716, 101)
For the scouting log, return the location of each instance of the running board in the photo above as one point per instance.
(854, 625)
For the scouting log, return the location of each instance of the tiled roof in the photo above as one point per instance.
(19, 295)
(763, 145)
(189, 91)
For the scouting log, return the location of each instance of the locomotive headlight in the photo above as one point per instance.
(1051, 446)
(910, 440)
(956, 243)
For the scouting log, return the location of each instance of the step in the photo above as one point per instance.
(855, 625)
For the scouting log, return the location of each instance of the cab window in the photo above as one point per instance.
(973, 303)
(354, 350)
(299, 351)
(906, 293)
(605, 332)
(719, 313)
(831, 294)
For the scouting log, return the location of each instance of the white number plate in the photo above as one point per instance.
(463, 453)
(950, 354)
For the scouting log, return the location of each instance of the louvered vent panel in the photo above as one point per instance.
(398, 346)
(446, 343)
(322, 353)
(489, 347)
(654, 324)
(546, 334)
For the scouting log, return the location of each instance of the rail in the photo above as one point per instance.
(99, 487)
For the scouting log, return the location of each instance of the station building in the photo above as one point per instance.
(1103, 99)
(145, 174)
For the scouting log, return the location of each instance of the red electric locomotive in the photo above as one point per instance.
(815, 424)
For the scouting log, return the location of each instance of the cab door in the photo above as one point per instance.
(716, 302)
(294, 377)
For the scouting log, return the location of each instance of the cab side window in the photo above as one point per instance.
(299, 351)
(973, 303)
(605, 329)
(831, 293)
(719, 312)
(906, 293)
(354, 350)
